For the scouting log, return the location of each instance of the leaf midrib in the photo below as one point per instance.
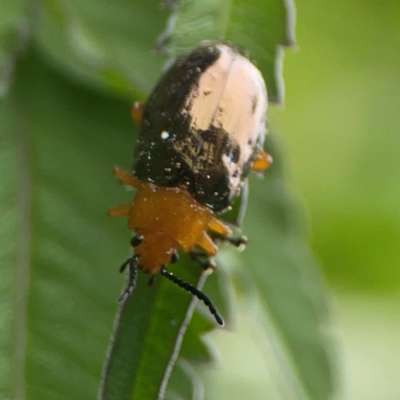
(23, 257)
(179, 339)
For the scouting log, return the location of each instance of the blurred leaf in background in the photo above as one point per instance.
(71, 70)
(341, 129)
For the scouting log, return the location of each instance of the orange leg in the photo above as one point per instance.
(125, 177)
(120, 211)
(207, 244)
(261, 162)
(137, 112)
(219, 227)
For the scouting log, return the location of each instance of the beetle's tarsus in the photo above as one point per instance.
(151, 280)
(174, 257)
(124, 265)
(133, 272)
(208, 264)
(238, 241)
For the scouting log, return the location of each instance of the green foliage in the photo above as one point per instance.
(341, 127)
(64, 124)
(341, 123)
(286, 275)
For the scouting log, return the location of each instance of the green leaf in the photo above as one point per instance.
(106, 44)
(186, 383)
(294, 301)
(13, 34)
(11, 330)
(259, 26)
(147, 337)
(59, 252)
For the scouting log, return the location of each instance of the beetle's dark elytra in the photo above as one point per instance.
(202, 125)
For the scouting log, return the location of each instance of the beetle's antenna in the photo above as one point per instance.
(195, 292)
(133, 272)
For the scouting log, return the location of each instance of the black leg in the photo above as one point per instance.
(133, 272)
(151, 280)
(124, 265)
(202, 258)
(237, 241)
(195, 292)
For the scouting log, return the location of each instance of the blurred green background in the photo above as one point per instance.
(341, 130)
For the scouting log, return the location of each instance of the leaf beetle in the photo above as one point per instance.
(201, 133)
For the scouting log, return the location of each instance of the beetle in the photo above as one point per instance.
(201, 133)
